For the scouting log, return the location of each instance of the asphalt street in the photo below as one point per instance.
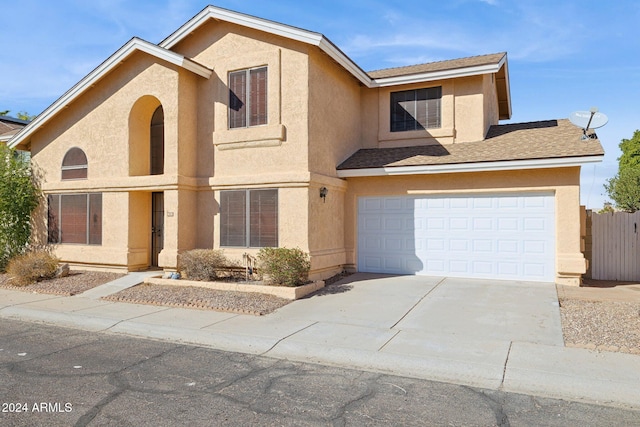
(52, 376)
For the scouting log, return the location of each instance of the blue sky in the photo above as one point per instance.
(564, 55)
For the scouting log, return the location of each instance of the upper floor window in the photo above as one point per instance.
(74, 164)
(248, 98)
(417, 109)
(156, 143)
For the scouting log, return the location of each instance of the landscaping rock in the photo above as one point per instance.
(62, 271)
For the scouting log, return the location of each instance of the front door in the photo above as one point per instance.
(157, 226)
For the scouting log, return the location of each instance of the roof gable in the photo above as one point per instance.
(272, 27)
(132, 46)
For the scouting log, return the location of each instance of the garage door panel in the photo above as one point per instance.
(534, 247)
(372, 223)
(483, 224)
(458, 245)
(490, 236)
(508, 247)
(508, 268)
(535, 224)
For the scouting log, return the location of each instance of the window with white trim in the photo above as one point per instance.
(249, 218)
(417, 109)
(248, 98)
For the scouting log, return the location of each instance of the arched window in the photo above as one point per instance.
(157, 142)
(74, 164)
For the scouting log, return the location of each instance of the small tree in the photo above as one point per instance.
(624, 188)
(18, 199)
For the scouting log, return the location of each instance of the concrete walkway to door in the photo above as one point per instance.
(492, 334)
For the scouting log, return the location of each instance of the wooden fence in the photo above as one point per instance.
(613, 246)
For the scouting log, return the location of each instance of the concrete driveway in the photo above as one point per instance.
(464, 308)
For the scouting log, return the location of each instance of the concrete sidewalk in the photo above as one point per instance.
(489, 334)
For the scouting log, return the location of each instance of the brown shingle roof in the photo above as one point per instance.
(473, 61)
(518, 141)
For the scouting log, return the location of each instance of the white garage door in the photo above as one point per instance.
(480, 236)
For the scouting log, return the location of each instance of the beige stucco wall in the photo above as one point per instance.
(110, 123)
(564, 182)
(490, 102)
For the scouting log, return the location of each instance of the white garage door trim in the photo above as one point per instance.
(495, 236)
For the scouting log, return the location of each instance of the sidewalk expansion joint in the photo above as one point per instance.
(135, 317)
(388, 341)
(53, 297)
(506, 362)
(418, 302)
(284, 338)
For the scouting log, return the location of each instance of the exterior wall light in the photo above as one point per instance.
(323, 193)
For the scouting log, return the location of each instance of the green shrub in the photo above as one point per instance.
(284, 266)
(18, 198)
(31, 267)
(202, 264)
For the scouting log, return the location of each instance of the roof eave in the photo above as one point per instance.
(271, 27)
(436, 75)
(132, 46)
(504, 165)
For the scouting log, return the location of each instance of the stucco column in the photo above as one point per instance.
(180, 226)
(571, 264)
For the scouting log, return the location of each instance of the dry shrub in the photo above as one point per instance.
(203, 264)
(284, 266)
(32, 267)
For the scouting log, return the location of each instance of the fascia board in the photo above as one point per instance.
(437, 75)
(293, 33)
(471, 167)
(102, 70)
(342, 59)
(240, 19)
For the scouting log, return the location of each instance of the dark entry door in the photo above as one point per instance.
(157, 226)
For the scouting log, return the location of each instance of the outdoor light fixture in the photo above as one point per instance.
(323, 193)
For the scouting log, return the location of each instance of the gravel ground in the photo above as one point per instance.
(76, 282)
(601, 325)
(202, 298)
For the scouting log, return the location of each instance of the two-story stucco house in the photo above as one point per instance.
(236, 132)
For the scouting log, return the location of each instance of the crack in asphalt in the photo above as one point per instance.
(495, 403)
(121, 385)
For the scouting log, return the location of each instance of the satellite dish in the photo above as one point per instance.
(586, 120)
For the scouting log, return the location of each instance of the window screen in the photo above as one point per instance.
(249, 218)
(416, 109)
(248, 98)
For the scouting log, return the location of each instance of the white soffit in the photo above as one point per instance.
(471, 167)
(132, 46)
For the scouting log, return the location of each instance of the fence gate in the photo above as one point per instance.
(615, 246)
